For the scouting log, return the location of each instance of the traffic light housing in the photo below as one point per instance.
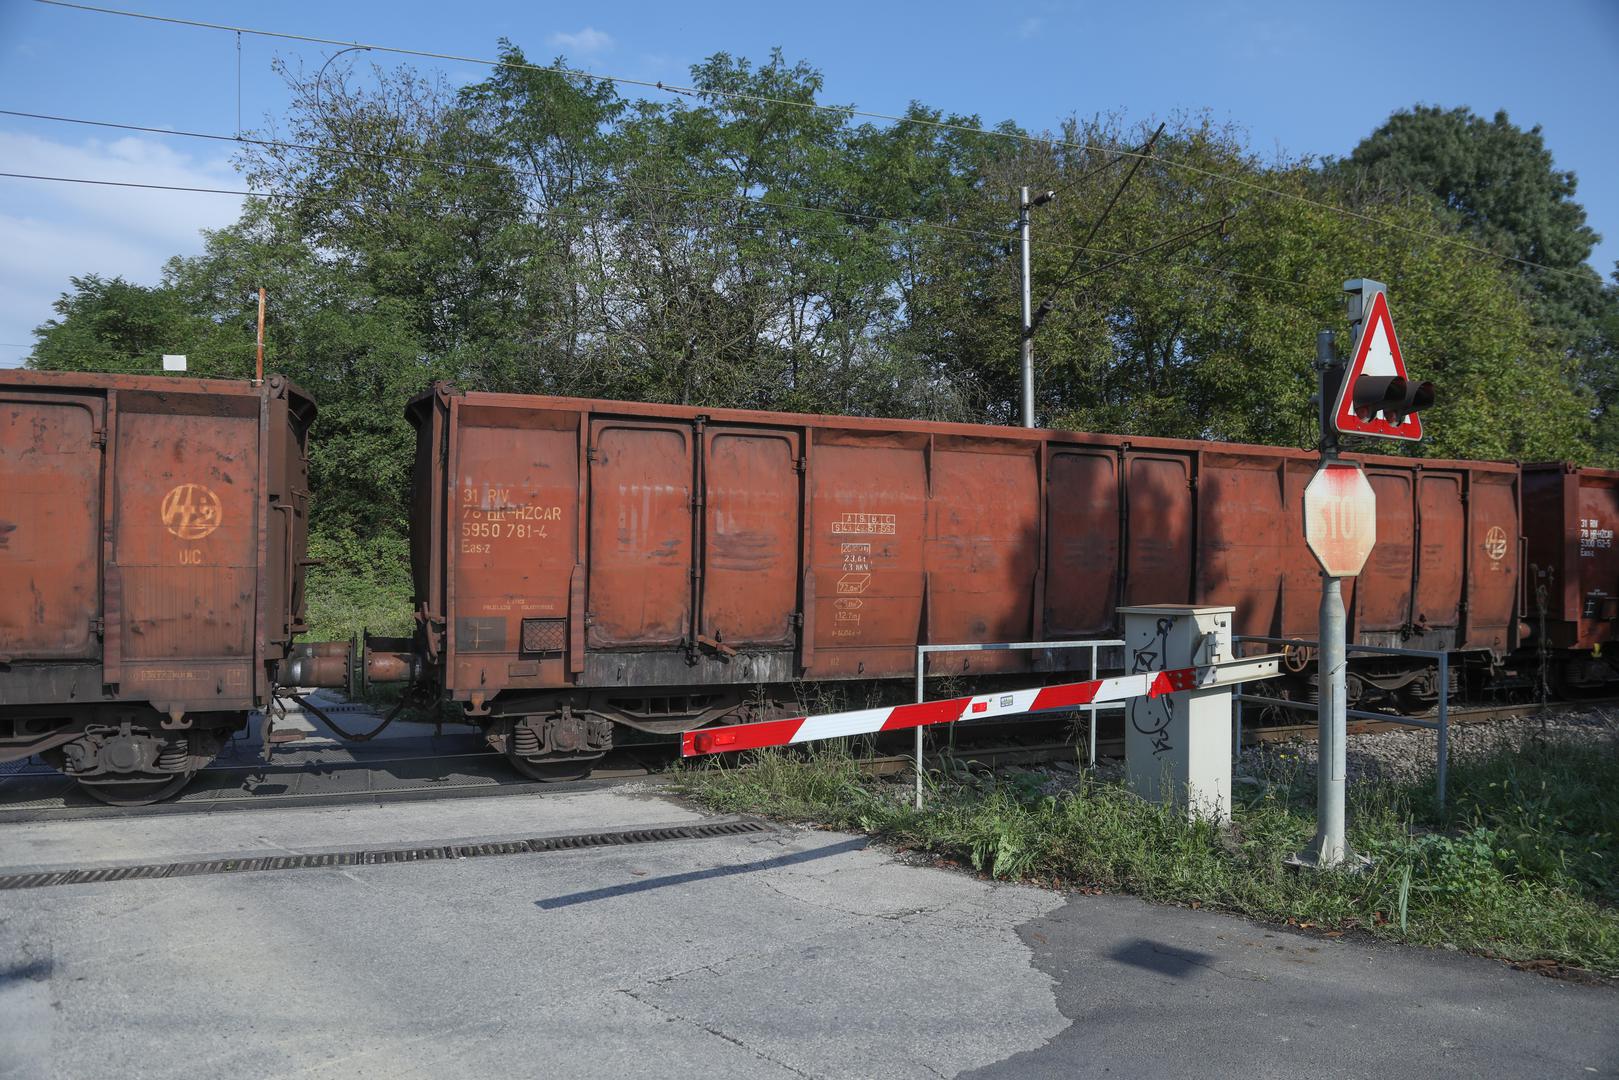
(1393, 396)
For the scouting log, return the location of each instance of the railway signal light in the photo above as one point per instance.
(1392, 395)
(1374, 396)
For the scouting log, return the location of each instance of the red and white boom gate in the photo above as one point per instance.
(1149, 684)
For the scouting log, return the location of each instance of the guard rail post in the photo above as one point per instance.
(1440, 725)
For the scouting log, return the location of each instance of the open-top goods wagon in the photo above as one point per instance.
(1571, 573)
(152, 540)
(585, 564)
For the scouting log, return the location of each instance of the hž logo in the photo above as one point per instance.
(1495, 543)
(191, 511)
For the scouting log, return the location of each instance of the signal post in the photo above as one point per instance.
(1372, 397)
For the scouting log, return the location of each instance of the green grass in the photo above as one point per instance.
(1520, 867)
(357, 588)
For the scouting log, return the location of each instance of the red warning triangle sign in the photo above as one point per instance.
(1376, 353)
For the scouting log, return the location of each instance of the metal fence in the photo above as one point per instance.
(1441, 724)
(1095, 647)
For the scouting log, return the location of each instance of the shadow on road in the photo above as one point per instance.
(628, 888)
(1163, 959)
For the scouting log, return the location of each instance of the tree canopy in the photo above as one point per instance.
(1500, 188)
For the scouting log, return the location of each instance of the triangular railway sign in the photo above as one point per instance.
(1377, 352)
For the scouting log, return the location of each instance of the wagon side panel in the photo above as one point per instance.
(50, 524)
(188, 498)
(1492, 562)
(513, 505)
(868, 511)
(983, 546)
(1082, 543)
(1596, 517)
(1245, 535)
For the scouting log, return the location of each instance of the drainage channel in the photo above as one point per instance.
(381, 857)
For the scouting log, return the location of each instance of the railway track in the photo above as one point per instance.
(1461, 714)
(323, 773)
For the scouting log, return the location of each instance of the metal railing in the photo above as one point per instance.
(1441, 724)
(922, 652)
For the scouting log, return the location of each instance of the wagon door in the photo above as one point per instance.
(1082, 543)
(1158, 529)
(1244, 537)
(752, 524)
(1442, 531)
(1383, 590)
(1492, 565)
(50, 524)
(186, 544)
(514, 540)
(640, 535)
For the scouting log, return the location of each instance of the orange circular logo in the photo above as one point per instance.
(191, 511)
(1495, 543)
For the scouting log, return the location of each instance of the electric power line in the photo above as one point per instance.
(763, 203)
(849, 111)
(421, 159)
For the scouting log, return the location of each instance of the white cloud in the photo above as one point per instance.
(1031, 26)
(584, 43)
(50, 231)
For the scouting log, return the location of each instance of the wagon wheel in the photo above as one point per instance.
(554, 771)
(137, 792)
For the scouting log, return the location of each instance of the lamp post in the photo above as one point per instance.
(1025, 204)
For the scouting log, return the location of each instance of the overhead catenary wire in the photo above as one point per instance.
(850, 111)
(422, 159)
(1096, 227)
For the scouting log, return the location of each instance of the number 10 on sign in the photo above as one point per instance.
(1340, 518)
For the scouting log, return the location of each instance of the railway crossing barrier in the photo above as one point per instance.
(923, 651)
(1440, 724)
(1171, 746)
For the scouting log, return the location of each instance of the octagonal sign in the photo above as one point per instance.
(1340, 519)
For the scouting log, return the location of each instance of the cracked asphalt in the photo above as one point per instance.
(784, 954)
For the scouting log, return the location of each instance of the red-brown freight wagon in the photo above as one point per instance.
(1571, 575)
(584, 563)
(152, 539)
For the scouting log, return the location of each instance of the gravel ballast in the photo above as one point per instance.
(1408, 755)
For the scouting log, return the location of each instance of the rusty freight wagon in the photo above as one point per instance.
(1571, 576)
(152, 537)
(585, 564)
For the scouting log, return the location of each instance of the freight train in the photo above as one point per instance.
(585, 567)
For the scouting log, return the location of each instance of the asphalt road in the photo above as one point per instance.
(783, 954)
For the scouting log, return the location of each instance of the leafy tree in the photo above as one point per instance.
(108, 324)
(1502, 189)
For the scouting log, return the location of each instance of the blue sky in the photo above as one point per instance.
(1302, 79)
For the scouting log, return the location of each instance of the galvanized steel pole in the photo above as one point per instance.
(921, 695)
(1332, 720)
(1330, 848)
(1028, 313)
